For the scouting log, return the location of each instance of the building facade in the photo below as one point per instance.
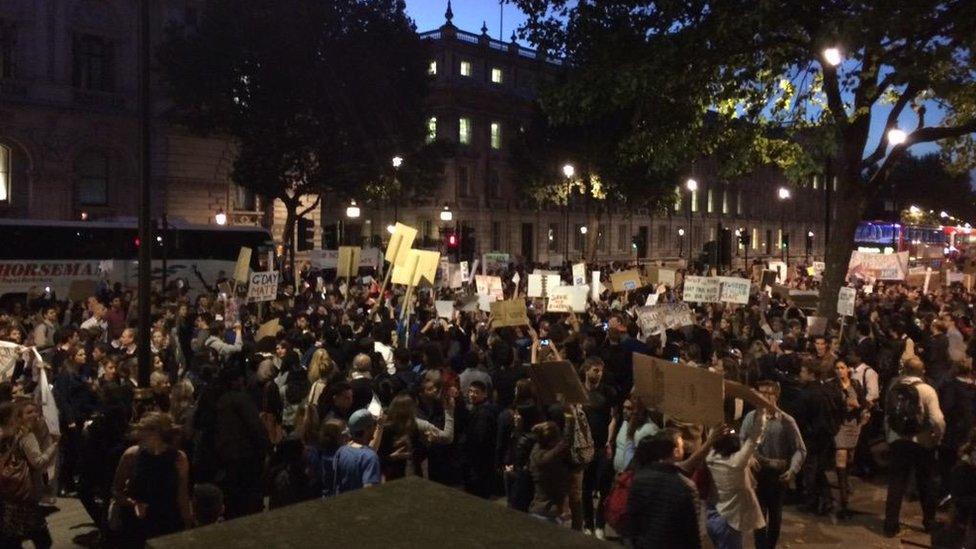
(69, 150)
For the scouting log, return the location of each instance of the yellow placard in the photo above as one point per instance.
(419, 265)
(398, 249)
(510, 312)
(625, 281)
(243, 265)
(348, 261)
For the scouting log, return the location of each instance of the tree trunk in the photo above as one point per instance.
(592, 236)
(850, 205)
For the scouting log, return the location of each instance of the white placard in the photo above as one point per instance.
(595, 287)
(702, 289)
(845, 301)
(539, 285)
(465, 272)
(579, 274)
(263, 286)
(735, 290)
(484, 303)
(445, 308)
(567, 299)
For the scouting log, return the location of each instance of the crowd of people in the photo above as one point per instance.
(351, 393)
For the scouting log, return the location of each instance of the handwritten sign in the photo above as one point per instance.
(702, 289)
(541, 284)
(625, 281)
(845, 301)
(878, 266)
(263, 286)
(510, 312)
(579, 274)
(567, 299)
(421, 265)
(735, 290)
(664, 316)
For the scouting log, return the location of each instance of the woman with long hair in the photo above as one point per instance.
(636, 425)
(151, 486)
(321, 371)
(23, 517)
(401, 438)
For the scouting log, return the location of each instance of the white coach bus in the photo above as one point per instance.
(48, 256)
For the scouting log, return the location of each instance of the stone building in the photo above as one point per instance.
(69, 139)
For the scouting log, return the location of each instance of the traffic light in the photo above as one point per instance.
(743, 238)
(451, 239)
(467, 242)
(305, 237)
(786, 241)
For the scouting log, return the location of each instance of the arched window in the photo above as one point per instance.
(6, 159)
(93, 172)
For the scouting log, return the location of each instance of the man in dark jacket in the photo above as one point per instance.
(242, 445)
(818, 418)
(478, 442)
(662, 507)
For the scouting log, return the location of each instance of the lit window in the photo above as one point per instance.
(755, 238)
(738, 202)
(496, 75)
(710, 204)
(816, 183)
(432, 68)
(464, 131)
(725, 201)
(496, 135)
(694, 201)
(431, 128)
(465, 68)
(779, 238)
(677, 198)
(4, 173)
(835, 184)
(93, 174)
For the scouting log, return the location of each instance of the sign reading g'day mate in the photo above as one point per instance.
(685, 393)
(263, 286)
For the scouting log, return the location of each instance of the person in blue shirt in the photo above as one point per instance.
(356, 464)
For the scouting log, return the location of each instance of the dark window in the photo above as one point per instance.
(463, 181)
(93, 176)
(493, 184)
(7, 42)
(92, 63)
(552, 237)
(244, 199)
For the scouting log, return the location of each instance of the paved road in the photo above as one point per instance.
(799, 529)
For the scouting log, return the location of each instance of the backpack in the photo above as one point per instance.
(615, 507)
(582, 451)
(15, 478)
(903, 409)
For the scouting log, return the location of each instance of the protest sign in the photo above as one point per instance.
(567, 299)
(481, 284)
(494, 262)
(735, 389)
(397, 250)
(664, 316)
(268, 329)
(768, 279)
(660, 275)
(557, 381)
(454, 276)
(445, 308)
(845, 301)
(873, 266)
(80, 290)
(781, 270)
(805, 299)
(541, 284)
(263, 286)
(816, 326)
(595, 287)
(685, 393)
(422, 263)
(469, 304)
(510, 312)
(465, 273)
(348, 261)
(9, 353)
(242, 267)
(735, 290)
(484, 302)
(954, 276)
(651, 299)
(625, 281)
(818, 269)
(369, 258)
(579, 274)
(701, 289)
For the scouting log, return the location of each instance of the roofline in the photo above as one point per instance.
(122, 225)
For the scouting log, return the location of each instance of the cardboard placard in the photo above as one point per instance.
(781, 270)
(510, 312)
(268, 329)
(348, 261)
(398, 249)
(702, 289)
(9, 353)
(579, 274)
(424, 265)
(263, 286)
(484, 302)
(80, 290)
(465, 272)
(494, 262)
(735, 389)
(625, 281)
(664, 316)
(445, 308)
(595, 287)
(845, 301)
(567, 299)
(243, 265)
(871, 266)
(539, 284)
(683, 392)
(557, 380)
(768, 279)
(816, 326)
(490, 285)
(735, 290)
(805, 299)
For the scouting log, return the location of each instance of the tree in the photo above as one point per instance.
(925, 181)
(319, 96)
(795, 83)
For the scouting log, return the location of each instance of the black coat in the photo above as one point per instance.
(662, 509)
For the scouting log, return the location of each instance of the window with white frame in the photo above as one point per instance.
(496, 135)
(464, 131)
(431, 128)
(497, 75)
(432, 68)
(465, 68)
(6, 162)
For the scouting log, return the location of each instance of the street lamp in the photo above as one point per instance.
(583, 229)
(832, 56)
(397, 162)
(943, 215)
(447, 214)
(681, 242)
(914, 210)
(897, 136)
(353, 211)
(220, 217)
(692, 185)
(391, 228)
(569, 171)
(784, 195)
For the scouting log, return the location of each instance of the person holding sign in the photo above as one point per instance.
(737, 510)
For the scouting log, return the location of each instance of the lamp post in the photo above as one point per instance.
(397, 162)
(681, 243)
(784, 195)
(352, 212)
(568, 171)
(809, 244)
(692, 186)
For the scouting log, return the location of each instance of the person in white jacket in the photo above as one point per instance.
(737, 511)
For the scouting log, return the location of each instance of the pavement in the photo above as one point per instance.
(863, 530)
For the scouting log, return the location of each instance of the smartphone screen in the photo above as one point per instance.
(544, 342)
